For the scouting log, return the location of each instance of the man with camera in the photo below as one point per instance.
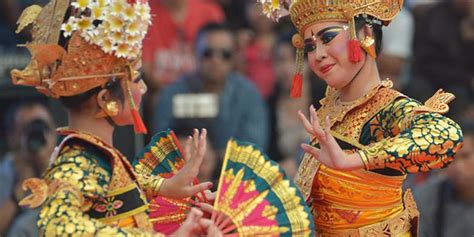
(30, 137)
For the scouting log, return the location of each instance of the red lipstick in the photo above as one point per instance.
(326, 68)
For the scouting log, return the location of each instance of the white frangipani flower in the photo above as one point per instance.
(116, 26)
(69, 27)
(81, 4)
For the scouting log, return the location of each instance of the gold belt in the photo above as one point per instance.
(401, 225)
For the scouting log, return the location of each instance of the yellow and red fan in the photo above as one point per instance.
(256, 198)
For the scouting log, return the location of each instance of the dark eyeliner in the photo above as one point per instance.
(328, 36)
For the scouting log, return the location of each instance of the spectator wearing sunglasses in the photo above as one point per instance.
(168, 47)
(214, 96)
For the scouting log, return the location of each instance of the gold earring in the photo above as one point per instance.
(368, 44)
(110, 110)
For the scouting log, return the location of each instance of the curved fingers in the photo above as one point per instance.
(318, 131)
(194, 189)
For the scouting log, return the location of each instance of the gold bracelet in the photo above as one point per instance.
(365, 160)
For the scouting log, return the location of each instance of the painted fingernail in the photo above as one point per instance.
(210, 186)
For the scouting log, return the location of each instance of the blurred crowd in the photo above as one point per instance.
(222, 65)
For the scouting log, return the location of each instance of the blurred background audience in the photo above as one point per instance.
(443, 52)
(29, 127)
(214, 96)
(234, 78)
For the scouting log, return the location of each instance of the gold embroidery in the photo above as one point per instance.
(306, 173)
(402, 224)
(353, 119)
(347, 121)
(123, 176)
(430, 143)
(438, 103)
(333, 107)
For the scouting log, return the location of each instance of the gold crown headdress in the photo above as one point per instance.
(105, 38)
(304, 13)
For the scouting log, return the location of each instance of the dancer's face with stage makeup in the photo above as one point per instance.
(326, 45)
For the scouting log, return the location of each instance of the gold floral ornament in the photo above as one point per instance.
(120, 20)
(108, 205)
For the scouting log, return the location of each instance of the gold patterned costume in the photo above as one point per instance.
(97, 190)
(393, 134)
(90, 189)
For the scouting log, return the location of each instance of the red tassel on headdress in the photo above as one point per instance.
(355, 51)
(137, 119)
(297, 85)
(138, 123)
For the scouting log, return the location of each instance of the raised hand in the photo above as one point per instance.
(329, 153)
(181, 185)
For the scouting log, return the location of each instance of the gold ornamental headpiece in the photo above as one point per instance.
(104, 38)
(104, 35)
(304, 13)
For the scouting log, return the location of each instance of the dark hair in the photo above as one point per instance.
(211, 28)
(75, 102)
(361, 21)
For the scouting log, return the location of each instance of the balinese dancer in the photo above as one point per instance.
(367, 136)
(86, 53)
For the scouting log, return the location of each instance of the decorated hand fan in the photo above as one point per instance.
(256, 198)
(163, 157)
